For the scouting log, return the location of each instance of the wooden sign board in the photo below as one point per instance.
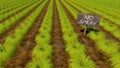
(88, 19)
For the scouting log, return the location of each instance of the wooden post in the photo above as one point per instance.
(85, 30)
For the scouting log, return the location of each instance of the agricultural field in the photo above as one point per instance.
(45, 34)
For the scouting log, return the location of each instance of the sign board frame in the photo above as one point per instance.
(88, 19)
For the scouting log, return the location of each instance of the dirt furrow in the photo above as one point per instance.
(109, 34)
(23, 54)
(95, 54)
(16, 12)
(112, 22)
(12, 29)
(60, 57)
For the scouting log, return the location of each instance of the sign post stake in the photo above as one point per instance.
(85, 30)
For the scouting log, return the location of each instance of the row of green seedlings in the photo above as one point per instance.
(4, 4)
(15, 10)
(105, 15)
(42, 52)
(7, 9)
(4, 26)
(77, 7)
(109, 47)
(8, 49)
(76, 50)
(71, 9)
(107, 10)
(113, 4)
(112, 28)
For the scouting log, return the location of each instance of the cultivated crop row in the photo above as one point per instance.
(43, 50)
(7, 24)
(9, 47)
(75, 49)
(107, 25)
(97, 11)
(5, 13)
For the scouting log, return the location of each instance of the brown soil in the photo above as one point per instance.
(95, 54)
(60, 57)
(16, 12)
(23, 53)
(12, 29)
(108, 34)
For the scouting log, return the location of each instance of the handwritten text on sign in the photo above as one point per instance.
(88, 19)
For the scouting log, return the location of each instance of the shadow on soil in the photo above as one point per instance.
(89, 30)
